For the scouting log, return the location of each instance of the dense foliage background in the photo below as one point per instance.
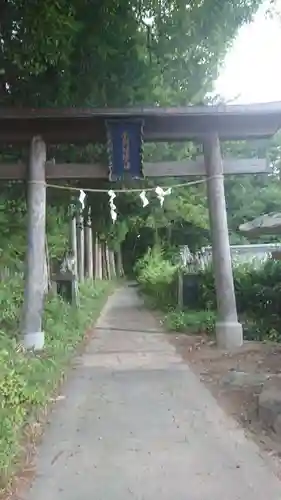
(117, 53)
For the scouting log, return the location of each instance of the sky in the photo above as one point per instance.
(252, 68)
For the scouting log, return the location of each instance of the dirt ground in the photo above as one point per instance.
(213, 367)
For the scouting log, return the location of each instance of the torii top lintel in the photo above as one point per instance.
(80, 125)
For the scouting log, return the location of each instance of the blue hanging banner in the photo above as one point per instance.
(125, 149)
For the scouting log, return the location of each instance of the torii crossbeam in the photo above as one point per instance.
(205, 124)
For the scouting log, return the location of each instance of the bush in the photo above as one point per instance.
(257, 288)
(157, 277)
(258, 293)
(28, 380)
(11, 296)
(196, 322)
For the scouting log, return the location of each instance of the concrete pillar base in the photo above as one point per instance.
(34, 341)
(229, 334)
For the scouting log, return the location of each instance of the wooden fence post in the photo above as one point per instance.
(89, 248)
(112, 264)
(73, 241)
(180, 289)
(107, 262)
(120, 269)
(80, 247)
(98, 259)
(33, 336)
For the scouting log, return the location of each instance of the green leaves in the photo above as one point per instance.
(257, 290)
(157, 277)
(115, 53)
(37, 35)
(191, 322)
(27, 380)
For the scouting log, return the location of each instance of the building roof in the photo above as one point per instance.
(76, 125)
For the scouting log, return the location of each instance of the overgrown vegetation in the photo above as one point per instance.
(191, 321)
(257, 288)
(157, 275)
(157, 278)
(27, 380)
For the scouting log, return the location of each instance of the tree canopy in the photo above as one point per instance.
(114, 52)
(127, 52)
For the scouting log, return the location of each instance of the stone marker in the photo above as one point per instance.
(270, 407)
(242, 379)
(277, 425)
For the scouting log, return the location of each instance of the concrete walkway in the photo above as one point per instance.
(136, 423)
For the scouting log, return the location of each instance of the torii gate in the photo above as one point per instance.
(205, 124)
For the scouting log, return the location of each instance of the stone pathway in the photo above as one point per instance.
(136, 423)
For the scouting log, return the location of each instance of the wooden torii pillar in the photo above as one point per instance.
(229, 332)
(33, 336)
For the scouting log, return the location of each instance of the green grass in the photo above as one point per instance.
(27, 380)
(192, 322)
